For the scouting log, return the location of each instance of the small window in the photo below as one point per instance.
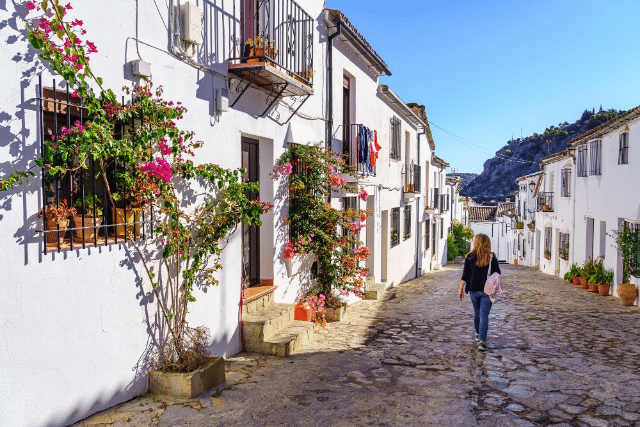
(563, 246)
(547, 242)
(441, 228)
(582, 160)
(623, 149)
(566, 182)
(595, 164)
(395, 227)
(395, 139)
(407, 223)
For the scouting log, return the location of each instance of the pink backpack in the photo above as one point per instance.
(493, 285)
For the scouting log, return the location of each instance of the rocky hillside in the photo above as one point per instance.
(522, 156)
(466, 177)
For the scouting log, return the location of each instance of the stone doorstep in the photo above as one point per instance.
(376, 291)
(188, 385)
(257, 298)
(289, 340)
(274, 331)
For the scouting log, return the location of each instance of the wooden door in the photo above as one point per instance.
(250, 233)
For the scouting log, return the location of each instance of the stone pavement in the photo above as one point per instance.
(558, 355)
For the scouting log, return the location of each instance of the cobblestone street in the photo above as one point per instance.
(558, 355)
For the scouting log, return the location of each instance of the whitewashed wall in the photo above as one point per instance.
(75, 325)
(560, 219)
(608, 198)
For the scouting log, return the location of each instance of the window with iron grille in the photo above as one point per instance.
(582, 160)
(96, 222)
(623, 148)
(563, 246)
(427, 236)
(547, 242)
(407, 222)
(441, 228)
(436, 199)
(395, 226)
(595, 164)
(635, 258)
(524, 210)
(395, 139)
(565, 175)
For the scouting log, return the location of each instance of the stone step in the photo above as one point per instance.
(257, 298)
(375, 291)
(264, 323)
(289, 340)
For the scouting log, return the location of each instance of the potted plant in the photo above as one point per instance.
(605, 282)
(586, 272)
(547, 254)
(546, 208)
(574, 270)
(597, 275)
(257, 49)
(628, 242)
(56, 217)
(91, 210)
(519, 225)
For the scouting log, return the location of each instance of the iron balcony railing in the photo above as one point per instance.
(545, 201)
(412, 179)
(276, 31)
(435, 199)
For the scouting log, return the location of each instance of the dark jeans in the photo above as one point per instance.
(481, 308)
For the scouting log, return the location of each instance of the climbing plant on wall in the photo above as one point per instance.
(156, 170)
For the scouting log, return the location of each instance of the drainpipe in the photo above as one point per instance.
(422, 132)
(329, 130)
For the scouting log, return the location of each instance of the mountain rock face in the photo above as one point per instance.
(522, 156)
(466, 177)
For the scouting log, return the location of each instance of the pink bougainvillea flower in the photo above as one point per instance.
(363, 195)
(68, 6)
(164, 148)
(31, 5)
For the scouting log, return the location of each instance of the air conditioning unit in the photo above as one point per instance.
(191, 23)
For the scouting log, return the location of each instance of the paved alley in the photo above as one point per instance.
(558, 355)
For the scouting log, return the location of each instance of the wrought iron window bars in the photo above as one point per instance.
(57, 108)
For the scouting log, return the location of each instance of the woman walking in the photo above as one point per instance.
(474, 276)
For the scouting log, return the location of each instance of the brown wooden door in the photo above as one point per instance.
(250, 233)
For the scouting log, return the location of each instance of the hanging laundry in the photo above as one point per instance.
(375, 137)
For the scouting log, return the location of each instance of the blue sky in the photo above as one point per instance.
(487, 70)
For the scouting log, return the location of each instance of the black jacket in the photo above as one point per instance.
(474, 276)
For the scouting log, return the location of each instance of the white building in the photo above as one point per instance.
(83, 315)
(605, 192)
(555, 213)
(526, 214)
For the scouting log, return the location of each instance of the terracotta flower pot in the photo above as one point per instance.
(132, 216)
(302, 312)
(576, 280)
(627, 293)
(52, 225)
(593, 287)
(256, 51)
(583, 283)
(604, 289)
(89, 233)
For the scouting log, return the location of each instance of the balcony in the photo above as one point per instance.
(412, 179)
(545, 202)
(274, 52)
(357, 162)
(444, 202)
(433, 207)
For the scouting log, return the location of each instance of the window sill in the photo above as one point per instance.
(66, 244)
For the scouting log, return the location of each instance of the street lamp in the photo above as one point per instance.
(532, 186)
